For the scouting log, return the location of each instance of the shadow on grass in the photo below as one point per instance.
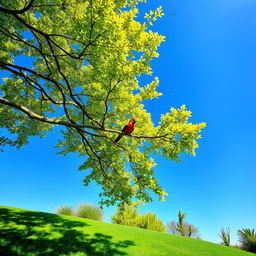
(40, 234)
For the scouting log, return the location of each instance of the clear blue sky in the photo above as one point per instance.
(208, 62)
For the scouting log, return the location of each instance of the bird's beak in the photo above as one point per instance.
(135, 121)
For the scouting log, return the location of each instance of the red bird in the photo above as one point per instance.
(128, 129)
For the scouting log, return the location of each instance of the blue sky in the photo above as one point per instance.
(208, 62)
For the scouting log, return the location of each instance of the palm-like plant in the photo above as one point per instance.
(225, 236)
(247, 238)
(181, 228)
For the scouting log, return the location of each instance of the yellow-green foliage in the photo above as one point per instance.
(151, 222)
(86, 59)
(128, 215)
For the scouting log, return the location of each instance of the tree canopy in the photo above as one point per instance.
(76, 64)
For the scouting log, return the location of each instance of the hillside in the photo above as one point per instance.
(30, 233)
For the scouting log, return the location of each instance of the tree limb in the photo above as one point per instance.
(26, 8)
(56, 121)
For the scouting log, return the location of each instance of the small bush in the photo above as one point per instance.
(129, 215)
(89, 211)
(151, 222)
(126, 216)
(65, 210)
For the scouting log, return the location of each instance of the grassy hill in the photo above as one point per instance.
(30, 233)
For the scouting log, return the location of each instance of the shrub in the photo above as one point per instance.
(247, 238)
(89, 211)
(150, 221)
(126, 216)
(65, 210)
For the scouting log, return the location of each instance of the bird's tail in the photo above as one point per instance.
(118, 138)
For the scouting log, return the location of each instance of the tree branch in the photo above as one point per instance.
(59, 5)
(26, 8)
(56, 121)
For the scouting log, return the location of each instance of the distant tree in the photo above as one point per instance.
(65, 210)
(182, 228)
(89, 211)
(247, 238)
(171, 227)
(225, 236)
(151, 222)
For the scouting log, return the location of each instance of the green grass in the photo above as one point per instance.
(30, 233)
